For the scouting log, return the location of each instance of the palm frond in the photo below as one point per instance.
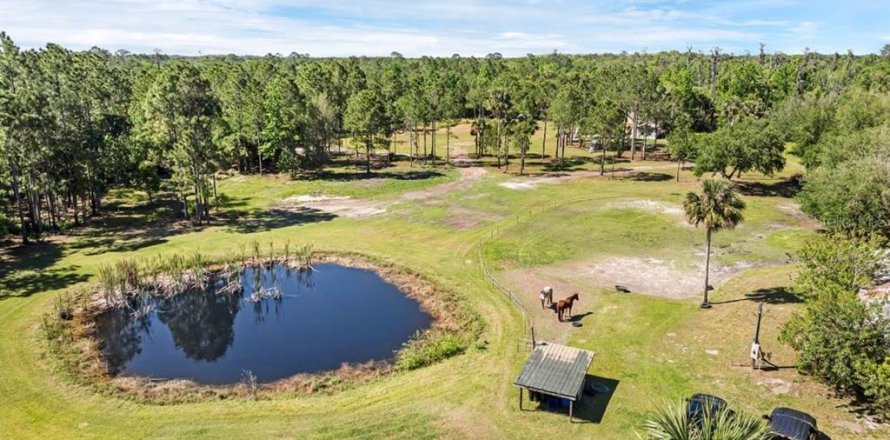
(672, 422)
(718, 206)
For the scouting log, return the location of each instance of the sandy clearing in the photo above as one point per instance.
(468, 176)
(341, 206)
(649, 205)
(658, 207)
(646, 276)
(363, 208)
(533, 182)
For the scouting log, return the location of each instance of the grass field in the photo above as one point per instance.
(576, 231)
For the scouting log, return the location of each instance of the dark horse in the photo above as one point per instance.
(564, 305)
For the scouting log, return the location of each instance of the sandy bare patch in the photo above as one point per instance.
(647, 276)
(532, 182)
(519, 185)
(468, 176)
(526, 284)
(779, 386)
(650, 206)
(362, 208)
(792, 209)
(463, 219)
(341, 206)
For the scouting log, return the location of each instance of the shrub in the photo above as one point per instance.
(842, 340)
(419, 353)
(672, 422)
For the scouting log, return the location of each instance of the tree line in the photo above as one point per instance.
(74, 124)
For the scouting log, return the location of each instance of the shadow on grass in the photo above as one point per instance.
(361, 175)
(579, 318)
(123, 232)
(126, 228)
(570, 164)
(279, 218)
(770, 295)
(598, 392)
(783, 188)
(651, 177)
(594, 402)
(26, 270)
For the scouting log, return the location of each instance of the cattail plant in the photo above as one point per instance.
(303, 256)
(256, 249)
(250, 382)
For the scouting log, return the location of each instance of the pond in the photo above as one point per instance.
(323, 318)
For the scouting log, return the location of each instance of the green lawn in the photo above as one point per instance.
(651, 349)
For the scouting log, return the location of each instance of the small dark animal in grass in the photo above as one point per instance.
(565, 305)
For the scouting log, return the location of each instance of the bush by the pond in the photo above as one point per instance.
(420, 353)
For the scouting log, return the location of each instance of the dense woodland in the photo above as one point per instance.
(73, 125)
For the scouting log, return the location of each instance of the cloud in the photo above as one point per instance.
(426, 27)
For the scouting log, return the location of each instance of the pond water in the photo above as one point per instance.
(324, 318)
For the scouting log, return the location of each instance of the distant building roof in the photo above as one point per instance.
(556, 370)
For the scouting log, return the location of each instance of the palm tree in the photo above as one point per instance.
(717, 207)
(674, 422)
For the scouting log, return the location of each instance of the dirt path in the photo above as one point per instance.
(468, 176)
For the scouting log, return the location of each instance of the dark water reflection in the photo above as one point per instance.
(324, 318)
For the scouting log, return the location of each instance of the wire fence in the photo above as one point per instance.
(526, 321)
(495, 231)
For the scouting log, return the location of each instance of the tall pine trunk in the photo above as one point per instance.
(448, 144)
(544, 141)
(603, 161)
(522, 157)
(433, 142)
(654, 138)
(259, 154)
(368, 155)
(679, 162)
(497, 146)
(215, 194)
(18, 200)
(633, 139)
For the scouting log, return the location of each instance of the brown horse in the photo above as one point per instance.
(564, 305)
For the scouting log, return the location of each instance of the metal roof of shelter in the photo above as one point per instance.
(557, 370)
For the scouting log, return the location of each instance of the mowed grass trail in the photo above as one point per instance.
(652, 349)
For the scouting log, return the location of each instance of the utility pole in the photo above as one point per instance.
(755, 346)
